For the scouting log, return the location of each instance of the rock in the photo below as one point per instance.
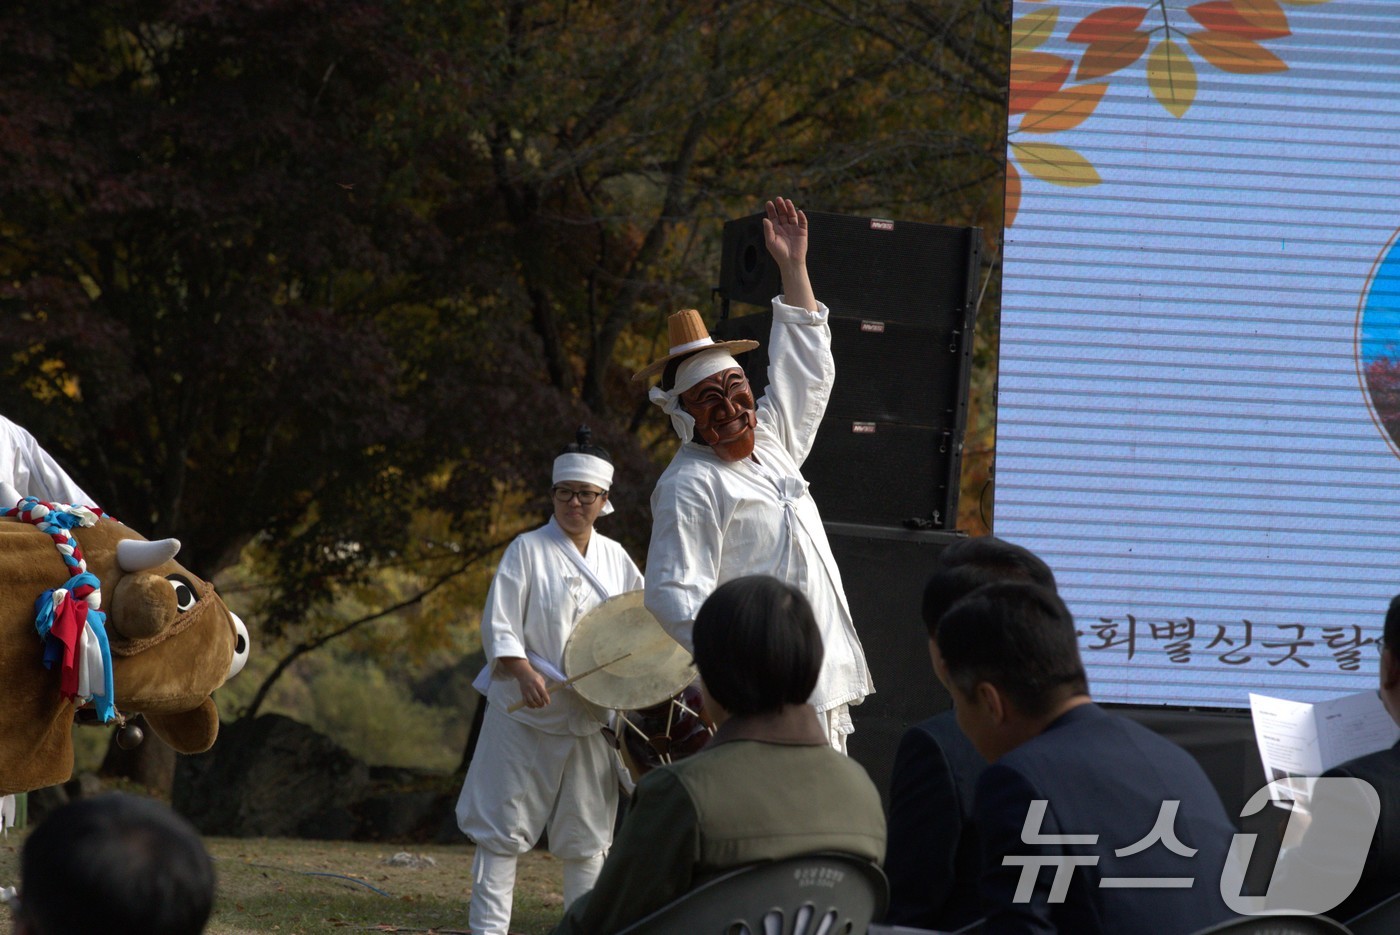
(414, 861)
(271, 777)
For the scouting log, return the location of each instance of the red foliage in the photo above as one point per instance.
(1383, 383)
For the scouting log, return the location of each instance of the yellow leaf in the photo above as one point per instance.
(1058, 165)
(1031, 30)
(1235, 54)
(1172, 77)
(1064, 109)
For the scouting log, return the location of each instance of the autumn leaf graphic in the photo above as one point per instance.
(1033, 76)
(1234, 53)
(1171, 77)
(1012, 203)
(1112, 40)
(1058, 165)
(1228, 35)
(1064, 109)
(1030, 31)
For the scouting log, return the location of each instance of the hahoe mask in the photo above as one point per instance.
(723, 408)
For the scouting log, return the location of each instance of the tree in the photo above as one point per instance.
(301, 280)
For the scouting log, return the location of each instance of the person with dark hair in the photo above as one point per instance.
(1089, 822)
(932, 859)
(767, 786)
(545, 764)
(1380, 879)
(115, 864)
(733, 500)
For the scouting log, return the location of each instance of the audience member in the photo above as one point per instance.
(115, 864)
(932, 859)
(767, 786)
(1089, 823)
(1381, 877)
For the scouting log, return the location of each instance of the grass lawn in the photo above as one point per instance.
(291, 886)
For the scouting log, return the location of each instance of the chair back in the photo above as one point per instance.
(1381, 919)
(814, 894)
(1278, 925)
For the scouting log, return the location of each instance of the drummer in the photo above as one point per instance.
(545, 763)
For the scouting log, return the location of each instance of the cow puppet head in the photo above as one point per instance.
(172, 643)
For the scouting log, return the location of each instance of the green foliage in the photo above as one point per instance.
(368, 705)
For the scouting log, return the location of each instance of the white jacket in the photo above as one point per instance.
(714, 520)
(536, 598)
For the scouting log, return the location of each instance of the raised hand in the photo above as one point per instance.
(785, 232)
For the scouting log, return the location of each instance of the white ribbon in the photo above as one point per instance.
(670, 403)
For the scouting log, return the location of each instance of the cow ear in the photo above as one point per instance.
(140, 555)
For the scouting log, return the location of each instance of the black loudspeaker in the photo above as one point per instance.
(902, 299)
(884, 571)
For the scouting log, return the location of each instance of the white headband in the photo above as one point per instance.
(697, 367)
(585, 469)
(691, 371)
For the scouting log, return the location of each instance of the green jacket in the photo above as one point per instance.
(764, 788)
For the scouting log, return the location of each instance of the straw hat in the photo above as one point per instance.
(688, 335)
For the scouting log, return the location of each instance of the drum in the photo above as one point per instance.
(629, 664)
(664, 733)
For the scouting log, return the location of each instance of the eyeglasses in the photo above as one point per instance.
(585, 497)
(1380, 644)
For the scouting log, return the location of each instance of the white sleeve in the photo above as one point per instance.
(801, 372)
(507, 602)
(33, 473)
(684, 556)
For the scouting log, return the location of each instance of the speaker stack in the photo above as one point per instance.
(885, 465)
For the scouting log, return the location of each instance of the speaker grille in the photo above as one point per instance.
(901, 298)
(861, 267)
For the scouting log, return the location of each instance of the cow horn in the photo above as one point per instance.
(139, 555)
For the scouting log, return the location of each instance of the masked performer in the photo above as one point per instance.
(546, 764)
(733, 502)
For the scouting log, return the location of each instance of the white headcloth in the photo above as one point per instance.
(585, 469)
(691, 371)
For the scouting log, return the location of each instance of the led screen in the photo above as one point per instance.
(1199, 397)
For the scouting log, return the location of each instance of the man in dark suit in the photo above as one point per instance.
(1381, 877)
(1089, 822)
(932, 858)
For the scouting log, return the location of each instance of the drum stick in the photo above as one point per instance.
(569, 681)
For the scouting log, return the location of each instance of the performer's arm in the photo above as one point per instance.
(503, 624)
(785, 235)
(801, 370)
(35, 473)
(683, 559)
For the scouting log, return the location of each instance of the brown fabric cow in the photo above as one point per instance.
(172, 639)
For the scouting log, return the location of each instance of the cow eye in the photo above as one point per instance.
(184, 592)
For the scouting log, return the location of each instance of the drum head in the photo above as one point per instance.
(655, 666)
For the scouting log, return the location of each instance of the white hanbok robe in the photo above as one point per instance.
(549, 765)
(713, 520)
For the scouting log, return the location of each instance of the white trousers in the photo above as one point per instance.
(522, 781)
(493, 885)
(838, 725)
